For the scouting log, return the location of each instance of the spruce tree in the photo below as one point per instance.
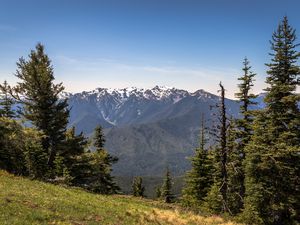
(273, 154)
(198, 179)
(67, 162)
(235, 170)
(40, 96)
(99, 139)
(101, 180)
(75, 145)
(247, 101)
(137, 187)
(6, 102)
(82, 172)
(216, 199)
(239, 134)
(166, 189)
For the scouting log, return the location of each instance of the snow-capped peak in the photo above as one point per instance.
(156, 93)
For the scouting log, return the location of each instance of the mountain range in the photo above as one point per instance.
(148, 129)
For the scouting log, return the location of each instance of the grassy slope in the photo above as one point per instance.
(23, 201)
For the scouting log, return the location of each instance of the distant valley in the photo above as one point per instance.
(148, 129)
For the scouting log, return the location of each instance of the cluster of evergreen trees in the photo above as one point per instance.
(35, 141)
(163, 192)
(253, 171)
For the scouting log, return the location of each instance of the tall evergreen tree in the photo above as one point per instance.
(216, 199)
(198, 179)
(75, 145)
(99, 139)
(101, 180)
(40, 97)
(239, 134)
(67, 162)
(166, 189)
(273, 154)
(247, 101)
(6, 102)
(138, 189)
(235, 169)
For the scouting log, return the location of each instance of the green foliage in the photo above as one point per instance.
(12, 145)
(48, 151)
(158, 192)
(35, 155)
(236, 189)
(272, 176)
(92, 170)
(166, 189)
(82, 170)
(89, 170)
(40, 97)
(62, 174)
(74, 147)
(239, 134)
(213, 201)
(59, 165)
(99, 139)
(101, 180)
(219, 189)
(246, 98)
(198, 179)
(273, 155)
(6, 102)
(227, 191)
(137, 187)
(254, 168)
(21, 151)
(151, 183)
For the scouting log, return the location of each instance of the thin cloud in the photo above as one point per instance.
(200, 72)
(97, 64)
(116, 74)
(63, 59)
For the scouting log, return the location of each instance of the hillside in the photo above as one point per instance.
(131, 106)
(147, 129)
(23, 201)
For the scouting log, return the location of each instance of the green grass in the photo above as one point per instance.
(23, 201)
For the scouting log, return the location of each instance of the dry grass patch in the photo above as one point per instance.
(170, 217)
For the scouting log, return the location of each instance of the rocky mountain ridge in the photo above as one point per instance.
(148, 129)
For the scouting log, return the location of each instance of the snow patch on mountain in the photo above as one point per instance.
(156, 93)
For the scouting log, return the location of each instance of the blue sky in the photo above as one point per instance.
(187, 44)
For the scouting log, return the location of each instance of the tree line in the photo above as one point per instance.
(34, 139)
(251, 172)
